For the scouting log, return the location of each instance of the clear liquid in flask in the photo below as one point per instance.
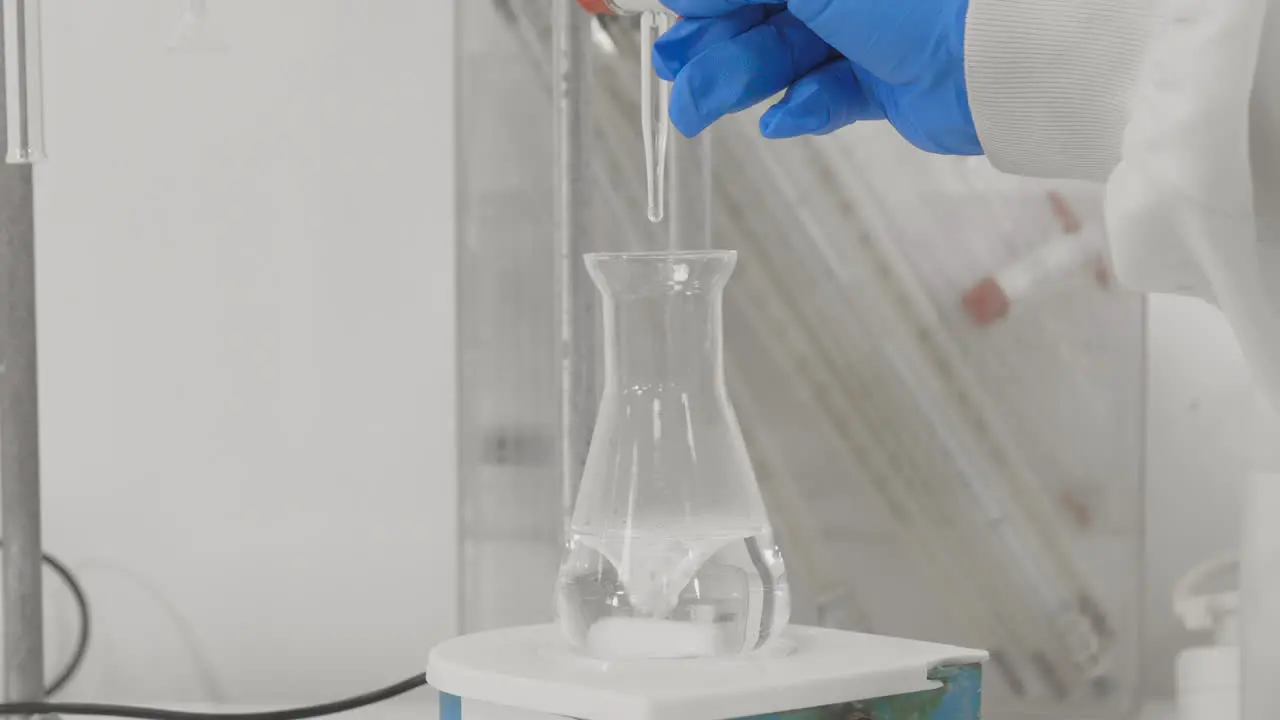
(700, 593)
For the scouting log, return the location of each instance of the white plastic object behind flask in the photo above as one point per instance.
(1208, 676)
(1260, 593)
(671, 551)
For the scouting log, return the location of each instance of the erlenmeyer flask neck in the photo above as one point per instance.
(663, 321)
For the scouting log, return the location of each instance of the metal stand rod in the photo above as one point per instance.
(689, 180)
(575, 314)
(20, 441)
(24, 81)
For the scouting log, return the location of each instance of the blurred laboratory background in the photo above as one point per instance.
(303, 398)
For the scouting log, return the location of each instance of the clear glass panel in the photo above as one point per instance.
(510, 492)
(940, 389)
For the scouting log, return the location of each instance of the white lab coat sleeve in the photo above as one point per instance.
(1050, 81)
(1182, 215)
(1154, 98)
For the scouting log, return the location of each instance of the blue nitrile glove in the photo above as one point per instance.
(840, 61)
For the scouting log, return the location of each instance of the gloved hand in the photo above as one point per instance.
(840, 61)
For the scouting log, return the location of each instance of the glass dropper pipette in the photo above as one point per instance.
(655, 94)
(655, 108)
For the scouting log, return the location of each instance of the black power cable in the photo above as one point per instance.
(73, 586)
(72, 667)
(146, 713)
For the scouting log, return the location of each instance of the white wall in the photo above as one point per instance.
(1204, 414)
(246, 318)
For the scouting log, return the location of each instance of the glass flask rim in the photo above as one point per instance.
(662, 255)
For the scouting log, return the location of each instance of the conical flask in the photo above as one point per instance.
(671, 552)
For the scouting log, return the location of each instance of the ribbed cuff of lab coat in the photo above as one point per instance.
(1050, 81)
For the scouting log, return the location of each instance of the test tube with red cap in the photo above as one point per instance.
(655, 94)
(1063, 256)
(622, 7)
